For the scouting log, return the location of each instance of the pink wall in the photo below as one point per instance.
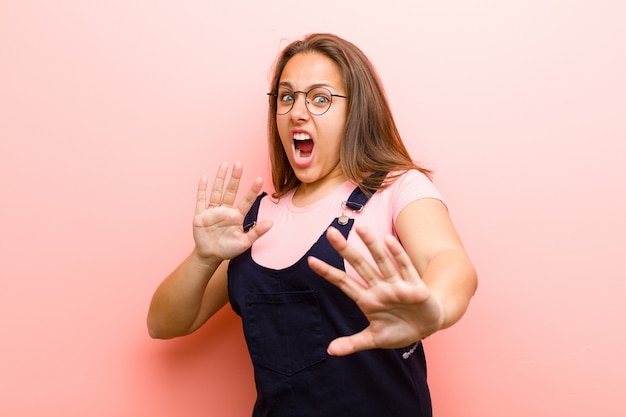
(110, 111)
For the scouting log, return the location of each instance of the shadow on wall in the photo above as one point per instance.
(204, 373)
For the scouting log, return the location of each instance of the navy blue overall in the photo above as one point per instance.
(289, 318)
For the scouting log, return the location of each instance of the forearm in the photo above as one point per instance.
(177, 303)
(451, 279)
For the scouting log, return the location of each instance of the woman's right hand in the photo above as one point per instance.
(217, 224)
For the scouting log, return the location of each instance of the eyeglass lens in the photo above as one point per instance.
(317, 100)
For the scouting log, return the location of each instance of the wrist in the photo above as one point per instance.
(207, 261)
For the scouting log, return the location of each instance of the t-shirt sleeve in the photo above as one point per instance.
(412, 186)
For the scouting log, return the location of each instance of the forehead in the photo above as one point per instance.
(306, 69)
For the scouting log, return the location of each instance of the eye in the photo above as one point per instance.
(285, 96)
(321, 98)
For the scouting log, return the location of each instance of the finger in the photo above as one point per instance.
(233, 185)
(353, 256)
(201, 199)
(350, 286)
(218, 184)
(407, 270)
(377, 249)
(347, 345)
(258, 230)
(248, 199)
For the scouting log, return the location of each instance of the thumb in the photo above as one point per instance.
(347, 345)
(259, 230)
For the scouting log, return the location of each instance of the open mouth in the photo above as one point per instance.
(303, 145)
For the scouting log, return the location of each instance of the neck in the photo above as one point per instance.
(309, 193)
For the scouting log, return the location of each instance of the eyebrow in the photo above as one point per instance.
(287, 84)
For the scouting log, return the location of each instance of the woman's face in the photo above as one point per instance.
(312, 143)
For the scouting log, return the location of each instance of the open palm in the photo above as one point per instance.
(217, 224)
(399, 306)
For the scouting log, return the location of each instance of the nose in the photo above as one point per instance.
(299, 109)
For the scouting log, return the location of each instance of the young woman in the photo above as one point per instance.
(345, 268)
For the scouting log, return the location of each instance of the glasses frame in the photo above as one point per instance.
(306, 101)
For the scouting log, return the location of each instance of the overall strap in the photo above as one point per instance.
(250, 220)
(359, 197)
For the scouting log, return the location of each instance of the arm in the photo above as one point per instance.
(188, 297)
(197, 288)
(431, 241)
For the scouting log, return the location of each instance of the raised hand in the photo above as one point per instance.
(399, 306)
(217, 223)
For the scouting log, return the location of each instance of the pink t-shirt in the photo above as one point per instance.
(296, 229)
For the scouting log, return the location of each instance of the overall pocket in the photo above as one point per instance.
(283, 331)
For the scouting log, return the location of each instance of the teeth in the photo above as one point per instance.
(301, 136)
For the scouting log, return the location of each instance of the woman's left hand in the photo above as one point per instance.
(400, 308)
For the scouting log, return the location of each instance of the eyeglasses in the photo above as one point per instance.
(317, 100)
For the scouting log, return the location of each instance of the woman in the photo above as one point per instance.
(347, 343)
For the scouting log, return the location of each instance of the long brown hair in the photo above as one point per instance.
(372, 143)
